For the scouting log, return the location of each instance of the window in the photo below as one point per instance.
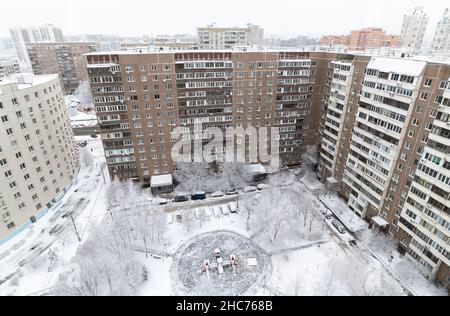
(423, 96)
(428, 82)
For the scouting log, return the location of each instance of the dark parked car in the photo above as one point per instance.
(199, 196)
(94, 136)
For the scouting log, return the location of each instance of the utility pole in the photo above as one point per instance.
(75, 226)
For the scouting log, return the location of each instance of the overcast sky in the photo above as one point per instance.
(278, 18)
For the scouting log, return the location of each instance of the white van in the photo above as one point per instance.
(224, 209)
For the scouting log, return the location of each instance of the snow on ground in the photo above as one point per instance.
(25, 258)
(79, 118)
(340, 209)
(312, 260)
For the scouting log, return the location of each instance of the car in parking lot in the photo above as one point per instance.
(341, 229)
(200, 195)
(181, 198)
(263, 186)
(233, 207)
(216, 211)
(231, 192)
(250, 189)
(94, 136)
(170, 219)
(208, 212)
(217, 194)
(197, 213)
(225, 210)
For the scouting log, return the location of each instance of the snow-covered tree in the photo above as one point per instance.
(84, 94)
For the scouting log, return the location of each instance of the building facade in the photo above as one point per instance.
(378, 120)
(67, 59)
(441, 40)
(381, 124)
(22, 36)
(372, 37)
(38, 160)
(413, 29)
(212, 37)
(141, 98)
(8, 68)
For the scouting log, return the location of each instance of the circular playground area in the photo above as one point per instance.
(219, 263)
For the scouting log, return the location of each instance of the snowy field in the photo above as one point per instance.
(78, 117)
(131, 247)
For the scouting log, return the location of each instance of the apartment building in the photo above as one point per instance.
(37, 152)
(22, 36)
(441, 40)
(425, 216)
(372, 37)
(334, 40)
(212, 37)
(374, 135)
(8, 68)
(141, 98)
(67, 59)
(414, 28)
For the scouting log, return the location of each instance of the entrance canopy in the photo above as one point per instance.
(379, 221)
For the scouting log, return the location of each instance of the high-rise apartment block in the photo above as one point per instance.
(381, 124)
(441, 41)
(66, 59)
(8, 68)
(212, 37)
(413, 29)
(141, 98)
(383, 127)
(372, 37)
(21, 36)
(38, 160)
(363, 39)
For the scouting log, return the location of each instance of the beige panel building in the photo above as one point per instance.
(213, 37)
(38, 160)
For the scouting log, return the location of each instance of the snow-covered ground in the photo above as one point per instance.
(137, 248)
(78, 117)
(25, 258)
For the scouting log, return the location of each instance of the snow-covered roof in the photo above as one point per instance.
(332, 180)
(380, 221)
(161, 181)
(351, 220)
(252, 262)
(27, 80)
(255, 169)
(398, 65)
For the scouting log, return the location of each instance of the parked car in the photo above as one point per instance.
(263, 186)
(197, 213)
(339, 226)
(217, 194)
(217, 254)
(233, 207)
(329, 215)
(170, 219)
(94, 136)
(208, 212)
(224, 209)
(159, 201)
(181, 198)
(231, 192)
(250, 189)
(216, 211)
(179, 217)
(200, 195)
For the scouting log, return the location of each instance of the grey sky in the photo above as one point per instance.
(282, 18)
